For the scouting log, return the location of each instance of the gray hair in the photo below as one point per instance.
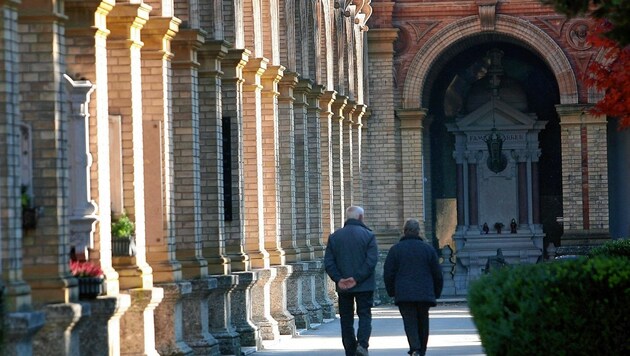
(354, 212)
(412, 227)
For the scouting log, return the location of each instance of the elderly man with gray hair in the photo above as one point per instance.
(350, 261)
(413, 278)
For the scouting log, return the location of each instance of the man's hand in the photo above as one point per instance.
(346, 283)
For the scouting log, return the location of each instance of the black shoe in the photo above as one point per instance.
(362, 351)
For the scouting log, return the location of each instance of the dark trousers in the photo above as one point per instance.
(416, 321)
(364, 301)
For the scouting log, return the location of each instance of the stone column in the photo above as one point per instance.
(337, 139)
(261, 304)
(232, 101)
(303, 173)
(20, 323)
(159, 185)
(411, 131)
(254, 223)
(473, 196)
(310, 292)
(186, 152)
(584, 176)
(123, 52)
(324, 290)
(88, 35)
(317, 207)
(271, 180)
(291, 150)
(44, 252)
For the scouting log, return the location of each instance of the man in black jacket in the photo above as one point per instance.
(350, 260)
(413, 278)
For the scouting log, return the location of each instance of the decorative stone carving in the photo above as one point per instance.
(576, 35)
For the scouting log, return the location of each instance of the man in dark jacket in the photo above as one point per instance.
(350, 260)
(413, 278)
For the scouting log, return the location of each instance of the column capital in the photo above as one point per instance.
(381, 41)
(126, 20)
(578, 114)
(411, 118)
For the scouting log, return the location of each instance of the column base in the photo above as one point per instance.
(220, 315)
(241, 316)
(100, 333)
(168, 320)
(286, 321)
(137, 326)
(195, 311)
(59, 335)
(19, 330)
(295, 304)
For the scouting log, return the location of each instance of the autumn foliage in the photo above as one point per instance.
(610, 74)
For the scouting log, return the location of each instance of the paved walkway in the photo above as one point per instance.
(452, 332)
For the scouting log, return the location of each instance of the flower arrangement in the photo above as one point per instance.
(82, 269)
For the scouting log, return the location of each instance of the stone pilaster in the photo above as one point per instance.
(360, 118)
(412, 156)
(347, 152)
(279, 300)
(291, 173)
(261, 304)
(59, 335)
(315, 174)
(326, 168)
(584, 176)
(295, 294)
(186, 151)
(241, 301)
(99, 334)
(137, 326)
(232, 101)
(195, 309)
(254, 222)
(338, 166)
(383, 160)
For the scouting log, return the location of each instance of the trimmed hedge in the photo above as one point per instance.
(570, 307)
(619, 248)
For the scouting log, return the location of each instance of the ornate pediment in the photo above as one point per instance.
(497, 114)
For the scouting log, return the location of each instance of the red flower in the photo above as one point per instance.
(85, 269)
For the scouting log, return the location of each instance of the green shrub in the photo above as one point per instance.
(571, 307)
(123, 227)
(612, 248)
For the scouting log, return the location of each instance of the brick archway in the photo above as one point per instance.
(514, 28)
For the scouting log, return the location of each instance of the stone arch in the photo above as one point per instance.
(514, 28)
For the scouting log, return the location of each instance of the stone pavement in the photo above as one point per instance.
(452, 332)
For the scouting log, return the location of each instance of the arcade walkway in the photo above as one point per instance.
(452, 333)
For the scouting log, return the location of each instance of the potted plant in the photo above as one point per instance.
(29, 214)
(123, 243)
(90, 277)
